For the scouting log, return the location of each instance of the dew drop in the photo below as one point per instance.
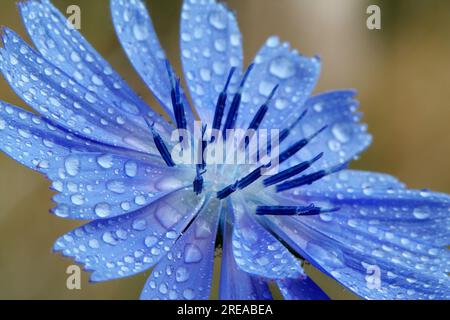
(205, 74)
(219, 68)
(72, 166)
(130, 108)
(93, 243)
(163, 288)
(273, 42)
(105, 161)
(189, 294)
(139, 224)
(116, 187)
(341, 132)
(220, 45)
(77, 199)
(109, 239)
(131, 169)
(169, 183)
(282, 68)
(421, 213)
(171, 235)
(97, 80)
(265, 88)
(218, 20)
(182, 274)
(192, 254)
(139, 200)
(281, 104)
(140, 32)
(102, 210)
(334, 145)
(150, 241)
(368, 191)
(2, 124)
(75, 57)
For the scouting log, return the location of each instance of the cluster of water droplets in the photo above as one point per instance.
(131, 243)
(189, 263)
(109, 185)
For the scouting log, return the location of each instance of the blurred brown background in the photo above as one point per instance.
(402, 73)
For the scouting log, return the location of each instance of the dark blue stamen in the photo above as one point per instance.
(250, 178)
(296, 147)
(310, 210)
(198, 181)
(240, 184)
(284, 134)
(161, 146)
(177, 104)
(291, 172)
(224, 193)
(221, 102)
(308, 179)
(230, 121)
(203, 145)
(259, 116)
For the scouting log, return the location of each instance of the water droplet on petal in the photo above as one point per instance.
(171, 235)
(72, 166)
(192, 254)
(163, 288)
(139, 200)
(77, 199)
(265, 88)
(2, 124)
(218, 20)
(105, 161)
(131, 169)
(282, 68)
(116, 187)
(182, 274)
(169, 183)
(341, 132)
(281, 104)
(189, 294)
(108, 238)
(139, 224)
(150, 241)
(102, 210)
(273, 42)
(93, 243)
(421, 213)
(140, 32)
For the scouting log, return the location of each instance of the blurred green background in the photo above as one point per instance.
(402, 73)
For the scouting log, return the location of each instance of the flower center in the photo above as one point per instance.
(226, 179)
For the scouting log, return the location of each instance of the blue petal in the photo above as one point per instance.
(236, 284)
(301, 289)
(186, 272)
(60, 99)
(68, 50)
(94, 181)
(296, 75)
(211, 44)
(104, 185)
(402, 232)
(137, 35)
(127, 245)
(257, 252)
(345, 137)
(37, 144)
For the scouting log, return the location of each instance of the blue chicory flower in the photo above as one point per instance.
(108, 157)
